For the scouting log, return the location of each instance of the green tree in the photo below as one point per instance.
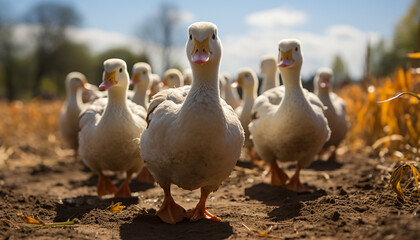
(53, 19)
(385, 59)
(340, 70)
(7, 47)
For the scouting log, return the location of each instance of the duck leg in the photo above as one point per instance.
(278, 176)
(294, 184)
(333, 157)
(145, 177)
(170, 212)
(105, 185)
(200, 210)
(124, 190)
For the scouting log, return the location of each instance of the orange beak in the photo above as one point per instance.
(286, 59)
(201, 52)
(108, 80)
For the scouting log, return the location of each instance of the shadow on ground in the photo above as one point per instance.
(148, 226)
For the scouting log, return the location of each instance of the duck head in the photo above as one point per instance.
(115, 74)
(268, 65)
(203, 45)
(173, 78)
(76, 80)
(323, 80)
(290, 54)
(141, 75)
(248, 80)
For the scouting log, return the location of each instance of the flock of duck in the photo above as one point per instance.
(193, 135)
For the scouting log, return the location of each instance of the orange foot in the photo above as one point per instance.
(295, 185)
(145, 176)
(170, 212)
(197, 214)
(105, 185)
(124, 190)
(200, 211)
(278, 176)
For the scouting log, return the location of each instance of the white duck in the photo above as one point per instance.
(155, 86)
(172, 78)
(69, 115)
(187, 76)
(336, 109)
(269, 73)
(248, 81)
(231, 94)
(222, 86)
(141, 78)
(108, 129)
(193, 138)
(289, 122)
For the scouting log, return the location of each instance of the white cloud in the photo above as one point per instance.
(100, 41)
(318, 49)
(185, 16)
(276, 17)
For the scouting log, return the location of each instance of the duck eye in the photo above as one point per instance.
(214, 36)
(296, 49)
(190, 37)
(120, 69)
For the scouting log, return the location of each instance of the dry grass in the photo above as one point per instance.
(29, 132)
(389, 130)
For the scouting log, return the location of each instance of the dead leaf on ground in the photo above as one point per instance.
(114, 208)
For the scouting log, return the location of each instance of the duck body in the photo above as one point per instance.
(336, 108)
(247, 79)
(289, 122)
(198, 130)
(69, 114)
(108, 129)
(107, 136)
(294, 133)
(193, 138)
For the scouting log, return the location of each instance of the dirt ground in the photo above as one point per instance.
(350, 200)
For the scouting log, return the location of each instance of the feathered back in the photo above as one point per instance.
(271, 99)
(176, 95)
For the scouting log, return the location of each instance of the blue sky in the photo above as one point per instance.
(249, 29)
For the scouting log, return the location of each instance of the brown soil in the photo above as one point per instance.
(350, 200)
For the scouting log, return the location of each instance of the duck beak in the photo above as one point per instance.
(325, 82)
(135, 79)
(108, 80)
(286, 59)
(201, 52)
(86, 85)
(237, 83)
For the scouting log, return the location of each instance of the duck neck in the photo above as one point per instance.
(74, 98)
(249, 95)
(323, 92)
(271, 78)
(292, 83)
(206, 78)
(140, 96)
(117, 96)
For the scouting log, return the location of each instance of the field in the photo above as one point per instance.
(351, 199)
